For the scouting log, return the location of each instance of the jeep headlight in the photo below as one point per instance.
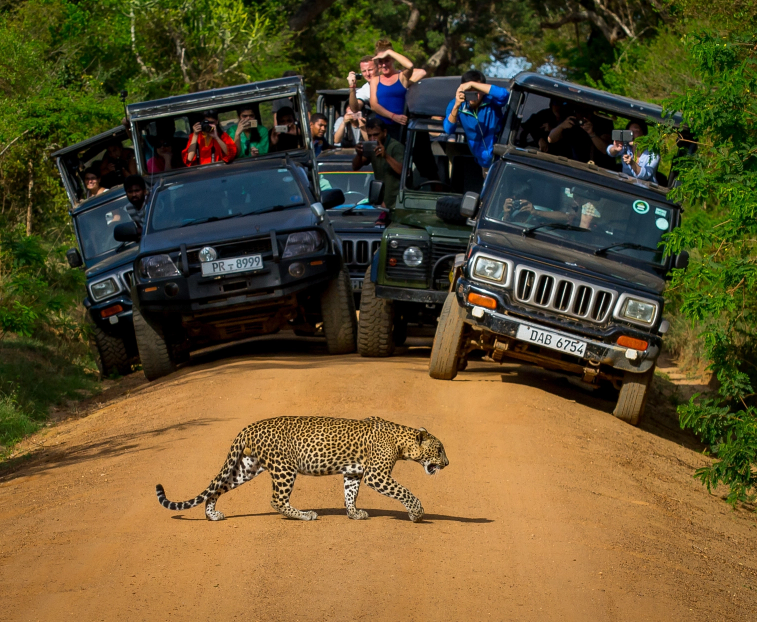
(638, 311)
(302, 243)
(103, 289)
(157, 267)
(413, 256)
(490, 269)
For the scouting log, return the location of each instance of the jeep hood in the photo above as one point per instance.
(429, 221)
(113, 262)
(571, 259)
(252, 226)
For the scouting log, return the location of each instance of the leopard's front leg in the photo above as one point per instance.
(351, 490)
(382, 481)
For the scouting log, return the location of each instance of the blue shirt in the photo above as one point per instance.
(647, 163)
(483, 125)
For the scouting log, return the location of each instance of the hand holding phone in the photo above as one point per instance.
(622, 136)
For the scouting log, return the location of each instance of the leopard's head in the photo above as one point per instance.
(428, 451)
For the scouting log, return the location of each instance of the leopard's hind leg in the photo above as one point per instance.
(351, 490)
(283, 483)
(246, 469)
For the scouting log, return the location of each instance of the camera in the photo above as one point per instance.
(359, 76)
(369, 147)
(581, 122)
(622, 136)
(471, 97)
(206, 127)
(518, 203)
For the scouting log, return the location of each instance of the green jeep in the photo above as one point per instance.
(409, 277)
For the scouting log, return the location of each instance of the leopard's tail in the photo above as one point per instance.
(215, 488)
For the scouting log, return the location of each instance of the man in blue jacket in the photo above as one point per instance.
(481, 116)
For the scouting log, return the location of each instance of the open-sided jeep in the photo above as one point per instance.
(108, 263)
(235, 250)
(408, 279)
(564, 268)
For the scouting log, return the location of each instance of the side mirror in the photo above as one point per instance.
(376, 192)
(331, 198)
(74, 258)
(682, 260)
(318, 211)
(126, 232)
(469, 206)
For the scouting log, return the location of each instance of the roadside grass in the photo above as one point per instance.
(34, 376)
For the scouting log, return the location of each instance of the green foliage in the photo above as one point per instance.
(718, 292)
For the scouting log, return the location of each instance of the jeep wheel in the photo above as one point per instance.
(111, 353)
(633, 397)
(375, 332)
(338, 312)
(154, 349)
(445, 353)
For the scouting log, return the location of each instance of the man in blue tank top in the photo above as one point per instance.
(481, 115)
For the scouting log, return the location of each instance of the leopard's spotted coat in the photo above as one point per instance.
(287, 446)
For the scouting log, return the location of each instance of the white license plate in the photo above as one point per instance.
(233, 264)
(357, 284)
(551, 340)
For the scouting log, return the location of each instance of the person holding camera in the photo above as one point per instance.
(479, 108)
(385, 156)
(285, 136)
(634, 164)
(349, 129)
(582, 136)
(209, 143)
(249, 135)
(361, 97)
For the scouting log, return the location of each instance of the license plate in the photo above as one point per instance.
(233, 264)
(550, 340)
(357, 284)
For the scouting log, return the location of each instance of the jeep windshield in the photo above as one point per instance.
(215, 198)
(96, 226)
(354, 185)
(605, 221)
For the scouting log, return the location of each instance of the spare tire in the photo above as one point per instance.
(448, 209)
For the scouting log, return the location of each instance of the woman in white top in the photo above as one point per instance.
(639, 165)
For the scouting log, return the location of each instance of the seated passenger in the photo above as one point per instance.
(583, 136)
(318, 126)
(117, 165)
(348, 130)
(250, 136)
(639, 165)
(288, 140)
(213, 144)
(579, 211)
(92, 182)
(541, 123)
(386, 159)
(166, 158)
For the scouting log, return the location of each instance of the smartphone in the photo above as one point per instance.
(281, 129)
(471, 97)
(253, 122)
(369, 147)
(622, 136)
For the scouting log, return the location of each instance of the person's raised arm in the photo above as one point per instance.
(339, 132)
(355, 103)
(556, 134)
(614, 150)
(190, 152)
(407, 72)
(418, 75)
(380, 110)
(359, 161)
(453, 108)
(381, 152)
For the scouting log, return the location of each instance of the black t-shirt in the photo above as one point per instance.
(533, 126)
(286, 142)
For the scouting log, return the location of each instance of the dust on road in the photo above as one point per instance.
(551, 509)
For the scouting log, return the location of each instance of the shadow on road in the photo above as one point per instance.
(395, 514)
(50, 458)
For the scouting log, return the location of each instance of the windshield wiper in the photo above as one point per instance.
(622, 245)
(553, 225)
(275, 208)
(198, 221)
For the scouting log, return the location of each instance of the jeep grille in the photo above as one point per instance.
(563, 295)
(442, 259)
(359, 252)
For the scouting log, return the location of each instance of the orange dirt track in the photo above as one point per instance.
(551, 509)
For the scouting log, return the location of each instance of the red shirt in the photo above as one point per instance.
(209, 151)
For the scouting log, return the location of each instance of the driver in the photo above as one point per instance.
(518, 208)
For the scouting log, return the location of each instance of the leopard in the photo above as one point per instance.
(358, 449)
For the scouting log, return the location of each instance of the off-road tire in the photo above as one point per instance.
(445, 353)
(375, 332)
(448, 209)
(338, 313)
(112, 355)
(154, 349)
(633, 397)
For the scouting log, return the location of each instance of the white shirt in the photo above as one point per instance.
(355, 130)
(364, 93)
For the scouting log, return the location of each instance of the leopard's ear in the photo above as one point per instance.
(422, 435)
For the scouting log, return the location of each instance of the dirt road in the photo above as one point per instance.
(551, 509)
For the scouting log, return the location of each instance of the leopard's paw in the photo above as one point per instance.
(416, 516)
(309, 515)
(357, 514)
(215, 515)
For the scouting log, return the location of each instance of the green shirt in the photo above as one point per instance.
(385, 173)
(246, 143)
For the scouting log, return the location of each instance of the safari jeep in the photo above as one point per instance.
(230, 251)
(564, 269)
(408, 278)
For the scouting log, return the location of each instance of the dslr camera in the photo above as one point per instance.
(206, 127)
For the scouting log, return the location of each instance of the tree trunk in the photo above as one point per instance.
(29, 199)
